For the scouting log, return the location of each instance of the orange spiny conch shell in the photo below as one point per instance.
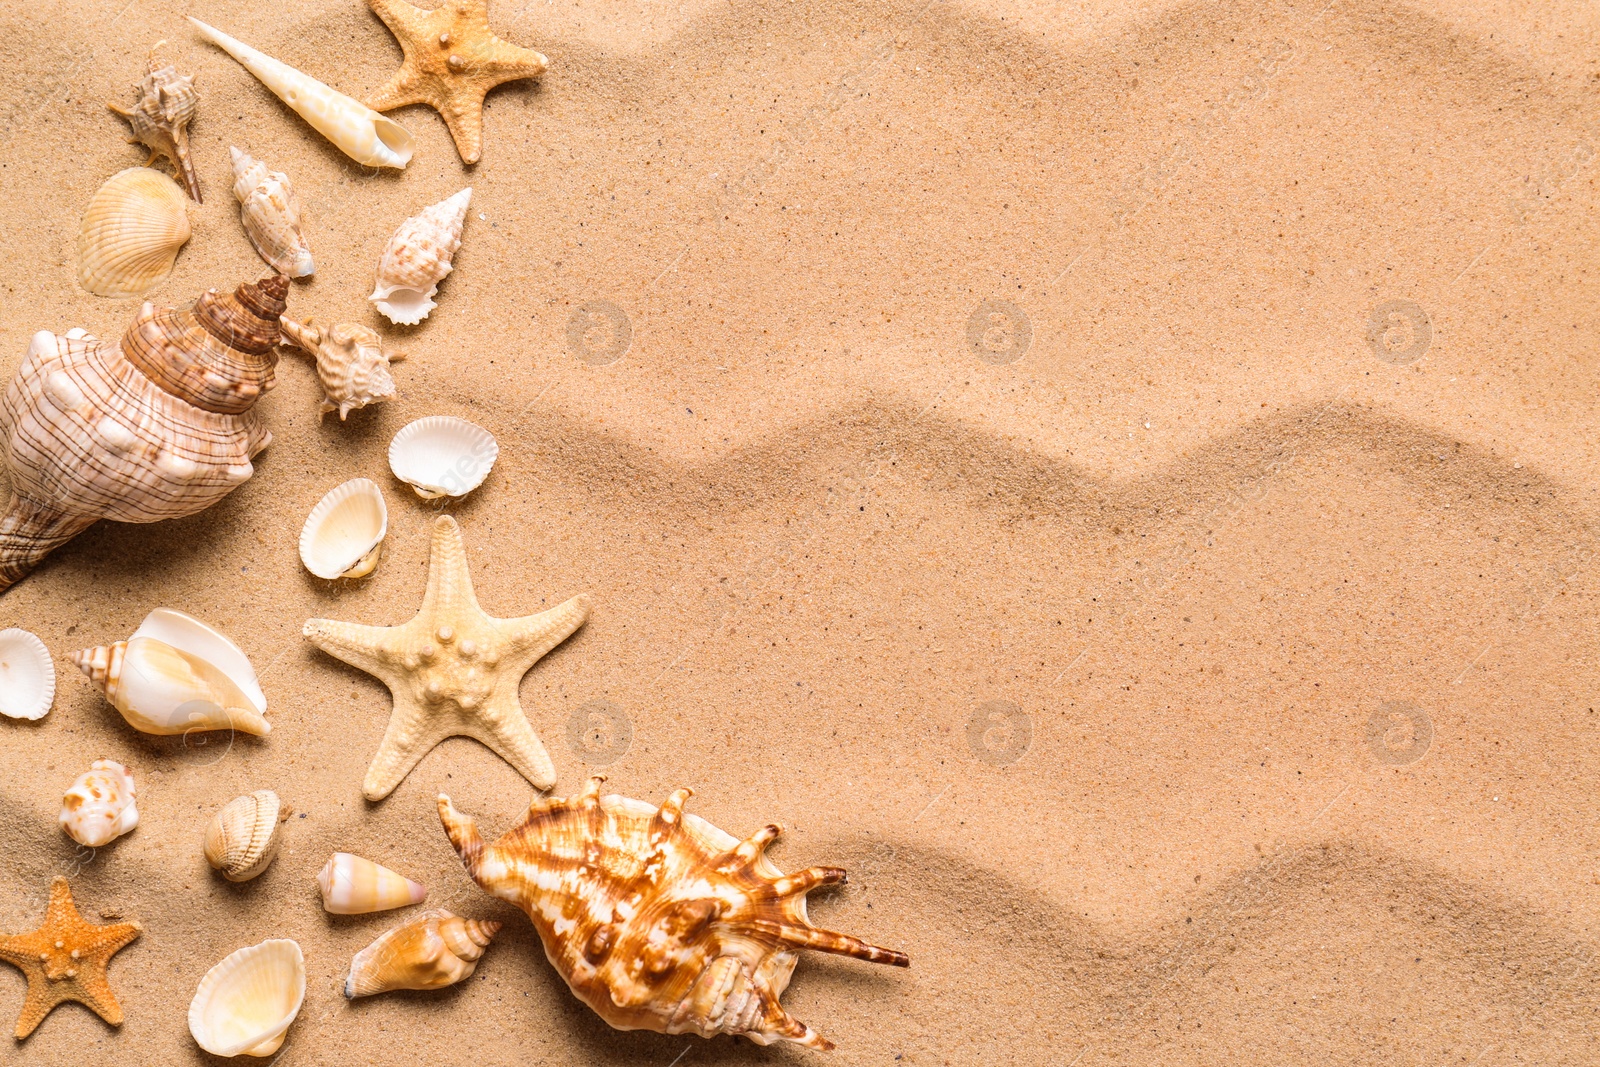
(158, 424)
(432, 951)
(656, 919)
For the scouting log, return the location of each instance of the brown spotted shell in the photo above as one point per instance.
(656, 919)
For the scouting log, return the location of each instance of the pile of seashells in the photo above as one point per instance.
(655, 919)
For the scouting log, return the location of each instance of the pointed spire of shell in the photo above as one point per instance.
(218, 355)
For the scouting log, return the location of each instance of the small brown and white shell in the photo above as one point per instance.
(352, 885)
(442, 455)
(131, 233)
(27, 676)
(657, 919)
(351, 363)
(343, 535)
(269, 210)
(160, 118)
(99, 807)
(243, 837)
(244, 1004)
(434, 950)
(417, 258)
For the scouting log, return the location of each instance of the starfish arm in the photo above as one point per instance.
(35, 1008)
(96, 995)
(360, 646)
(463, 115)
(401, 17)
(449, 580)
(504, 728)
(530, 637)
(412, 734)
(401, 91)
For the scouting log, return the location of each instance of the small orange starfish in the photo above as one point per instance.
(65, 959)
(452, 60)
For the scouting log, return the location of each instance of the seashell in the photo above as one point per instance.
(160, 118)
(176, 675)
(417, 258)
(131, 233)
(442, 455)
(351, 363)
(27, 676)
(270, 213)
(242, 839)
(432, 951)
(358, 131)
(246, 1002)
(354, 886)
(656, 919)
(156, 425)
(99, 807)
(343, 536)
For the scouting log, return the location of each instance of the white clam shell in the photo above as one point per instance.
(443, 456)
(353, 885)
(359, 132)
(27, 676)
(246, 1002)
(343, 536)
(242, 839)
(99, 806)
(417, 258)
(131, 232)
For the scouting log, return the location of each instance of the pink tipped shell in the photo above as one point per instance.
(352, 885)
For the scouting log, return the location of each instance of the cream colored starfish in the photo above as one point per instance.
(452, 60)
(65, 959)
(453, 670)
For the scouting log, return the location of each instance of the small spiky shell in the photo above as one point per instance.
(656, 919)
(99, 807)
(242, 838)
(352, 885)
(131, 232)
(351, 363)
(417, 258)
(160, 119)
(269, 210)
(432, 951)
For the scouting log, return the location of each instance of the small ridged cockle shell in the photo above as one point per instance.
(432, 951)
(352, 885)
(131, 233)
(269, 211)
(242, 838)
(417, 258)
(99, 808)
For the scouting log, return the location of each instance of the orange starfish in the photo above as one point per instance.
(452, 60)
(65, 959)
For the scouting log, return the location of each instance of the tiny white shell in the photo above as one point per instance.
(443, 456)
(343, 536)
(131, 232)
(244, 1004)
(27, 676)
(99, 807)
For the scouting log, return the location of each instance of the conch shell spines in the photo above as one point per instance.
(658, 920)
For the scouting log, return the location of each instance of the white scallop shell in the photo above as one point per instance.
(27, 676)
(417, 258)
(343, 536)
(442, 455)
(246, 1002)
(99, 807)
(131, 232)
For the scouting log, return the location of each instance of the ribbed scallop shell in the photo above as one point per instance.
(343, 535)
(656, 919)
(131, 233)
(27, 676)
(244, 1004)
(269, 210)
(417, 258)
(99, 807)
(351, 363)
(432, 951)
(352, 885)
(242, 838)
(442, 455)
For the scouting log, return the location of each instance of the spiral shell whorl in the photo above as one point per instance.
(217, 355)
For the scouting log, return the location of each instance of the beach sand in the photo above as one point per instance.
(1005, 486)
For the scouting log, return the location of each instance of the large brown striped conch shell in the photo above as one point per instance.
(656, 919)
(432, 951)
(156, 425)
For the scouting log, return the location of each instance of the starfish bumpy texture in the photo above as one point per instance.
(453, 670)
(65, 959)
(452, 60)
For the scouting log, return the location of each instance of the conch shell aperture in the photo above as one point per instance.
(658, 920)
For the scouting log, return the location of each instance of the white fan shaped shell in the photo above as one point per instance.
(188, 634)
(342, 534)
(443, 456)
(246, 1002)
(27, 676)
